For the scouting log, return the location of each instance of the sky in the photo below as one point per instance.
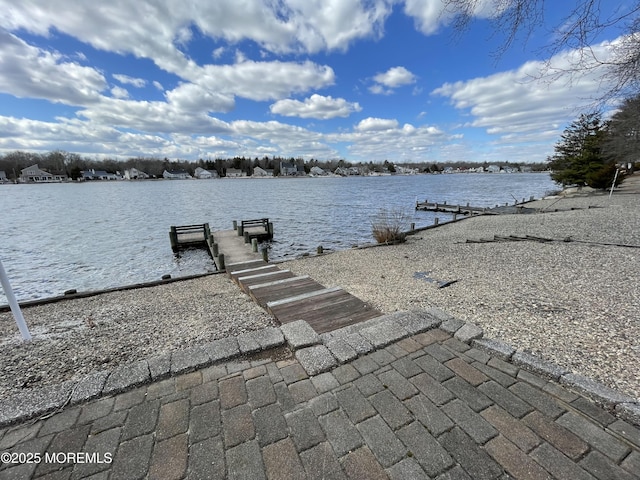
(368, 80)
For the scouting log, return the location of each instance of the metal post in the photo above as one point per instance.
(13, 303)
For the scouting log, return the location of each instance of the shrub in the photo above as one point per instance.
(390, 226)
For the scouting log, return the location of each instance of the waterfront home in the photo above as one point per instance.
(34, 174)
(493, 169)
(317, 172)
(288, 169)
(203, 174)
(176, 174)
(135, 174)
(261, 172)
(3, 177)
(90, 175)
(347, 171)
(235, 173)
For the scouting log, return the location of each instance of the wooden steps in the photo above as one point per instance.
(288, 297)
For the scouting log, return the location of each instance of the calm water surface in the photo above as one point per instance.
(89, 236)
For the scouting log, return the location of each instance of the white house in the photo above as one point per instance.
(175, 174)
(287, 169)
(135, 174)
(202, 174)
(493, 169)
(3, 177)
(34, 174)
(261, 172)
(317, 172)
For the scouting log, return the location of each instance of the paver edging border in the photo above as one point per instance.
(316, 353)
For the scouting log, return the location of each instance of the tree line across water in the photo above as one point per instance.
(72, 164)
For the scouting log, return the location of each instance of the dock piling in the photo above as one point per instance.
(254, 245)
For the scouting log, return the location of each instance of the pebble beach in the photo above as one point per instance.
(574, 301)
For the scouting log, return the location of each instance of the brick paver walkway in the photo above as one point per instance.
(424, 406)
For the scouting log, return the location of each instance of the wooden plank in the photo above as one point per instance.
(259, 276)
(275, 275)
(248, 271)
(302, 298)
(274, 291)
(326, 312)
(277, 282)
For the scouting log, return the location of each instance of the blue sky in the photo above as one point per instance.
(361, 80)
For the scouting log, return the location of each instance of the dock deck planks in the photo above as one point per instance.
(288, 297)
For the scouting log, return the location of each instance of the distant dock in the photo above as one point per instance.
(468, 210)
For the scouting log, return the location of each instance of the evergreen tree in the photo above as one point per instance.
(579, 158)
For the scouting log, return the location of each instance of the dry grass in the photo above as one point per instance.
(390, 226)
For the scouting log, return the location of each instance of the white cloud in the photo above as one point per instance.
(316, 106)
(531, 99)
(127, 80)
(376, 124)
(430, 15)
(27, 71)
(265, 80)
(119, 92)
(393, 78)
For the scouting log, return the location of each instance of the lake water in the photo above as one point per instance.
(88, 236)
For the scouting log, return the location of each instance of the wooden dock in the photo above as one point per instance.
(470, 210)
(285, 296)
(191, 236)
(455, 209)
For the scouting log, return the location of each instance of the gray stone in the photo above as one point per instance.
(132, 460)
(316, 359)
(437, 314)
(270, 337)
(468, 332)
(206, 459)
(471, 457)
(354, 404)
(594, 390)
(425, 449)
(325, 382)
(473, 424)
(360, 344)
(407, 468)
(595, 435)
(159, 366)
(629, 412)
(270, 424)
(452, 325)
(29, 404)
(340, 349)
(305, 429)
(494, 348)
(537, 365)
(89, 387)
(126, 377)
(245, 461)
(417, 321)
(382, 441)
(384, 332)
(299, 334)
(189, 359)
(321, 463)
(340, 432)
(222, 349)
(391, 409)
(248, 343)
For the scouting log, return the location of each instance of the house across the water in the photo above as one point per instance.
(35, 174)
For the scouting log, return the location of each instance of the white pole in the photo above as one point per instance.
(615, 177)
(13, 303)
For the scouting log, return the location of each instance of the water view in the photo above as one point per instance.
(95, 235)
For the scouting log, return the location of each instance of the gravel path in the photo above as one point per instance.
(573, 303)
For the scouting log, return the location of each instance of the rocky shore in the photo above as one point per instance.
(575, 301)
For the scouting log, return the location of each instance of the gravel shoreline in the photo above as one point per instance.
(575, 304)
